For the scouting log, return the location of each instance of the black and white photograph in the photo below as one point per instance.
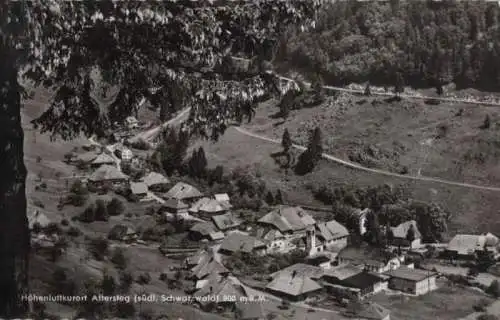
(250, 159)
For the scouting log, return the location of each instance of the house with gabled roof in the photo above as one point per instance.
(109, 176)
(240, 242)
(218, 289)
(207, 266)
(176, 207)
(400, 235)
(412, 281)
(183, 191)
(205, 230)
(288, 220)
(155, 181)
(466, 246)
(370, 258)
(197, 258)
(293, 286)
(139, 189)
(226, 222)
(351, 280)
(327, 235)
(102, 159)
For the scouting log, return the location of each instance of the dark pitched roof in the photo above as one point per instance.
(237, 241)
(362, 280)
(286, 218)
(226, 221)
(107, 172)
(410, 274)
(183, 191)
(175, 204)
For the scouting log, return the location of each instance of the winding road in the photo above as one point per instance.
(356, 166)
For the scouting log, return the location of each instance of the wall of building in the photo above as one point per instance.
(424, 286)
(413, 287)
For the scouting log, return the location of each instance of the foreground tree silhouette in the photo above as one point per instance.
(172, 46)
(311, 156)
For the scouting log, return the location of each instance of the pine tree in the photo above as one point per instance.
(286, 141)
(399, 84)
(202, 162)
(486, 123)
(410, 234)
(311, 156)
(278, 199)
(270, 198)
(368, 91)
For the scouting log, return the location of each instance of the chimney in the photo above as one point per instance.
(211, 289)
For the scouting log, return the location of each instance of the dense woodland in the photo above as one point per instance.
(428, 42)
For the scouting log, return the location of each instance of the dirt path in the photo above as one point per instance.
(376, 171)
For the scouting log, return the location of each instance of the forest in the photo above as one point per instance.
(429, 43)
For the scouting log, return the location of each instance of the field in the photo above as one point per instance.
(447, 303)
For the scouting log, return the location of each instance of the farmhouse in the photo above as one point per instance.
(276, 242)
(372, 259)
(240, 242)
(465, 246)
(355, 282)
(102, 159)
(155, 181)
(327, 235)
(401, 233)
(208, 266)
(176, 207)
(122, 233)
(183, 191)
(139, 189)
(227, 222)
(293, 286)
(220, 289)
(197, 258)
(413, 281)
(108, 176)
(205, 230)
(288, 220)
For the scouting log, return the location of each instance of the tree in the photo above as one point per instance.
(286, 141)
(115, 207)
(118, 259)
(399, 84)
(278, 199)
(101, 210)
(311, 156)
(270, 198)
(127, 43)
(486, 123)
(368, 91)
(494, 289)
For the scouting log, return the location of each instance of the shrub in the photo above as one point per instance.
(144, 278)
(53, 228)
(494, 289)
(99, 248)
(74, 232)
(118, 259)
(38, 159)
(101, 211)
(126, 280)
(480, 306)
(486, 316)
(65, 222)
(115, 207)
(108, 285)
(88, 215)
(125, 310)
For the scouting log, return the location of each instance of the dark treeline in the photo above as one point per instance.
(429, 43)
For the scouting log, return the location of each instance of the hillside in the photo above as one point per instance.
(395, 130)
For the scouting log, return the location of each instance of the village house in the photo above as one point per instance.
(293, 286)
(175, 207)
(138, 189)
(109, 177)
(322, 260)
(349, 280)
(131, 122)
(183, 191)
(366, 310)
(412, 281)
(240, 242)
(223, 199)
(124, 153)
(227, 222)
(288, 220)
(326, 235)
(465, 246)
(372, 259)
(208, 266)
(219, 289)
(102, 159)
(38, 220)
(197, 258)
(276, 241)
(156, 181)
(401, 232)
(205, 230)
(250, 311)
(122, 233)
